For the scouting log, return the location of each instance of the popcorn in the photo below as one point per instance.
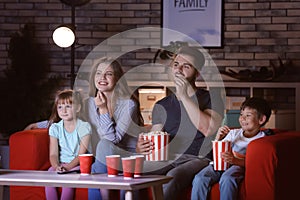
(160, 140)
(218, 148)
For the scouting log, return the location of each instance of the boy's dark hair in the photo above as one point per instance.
(260, 105)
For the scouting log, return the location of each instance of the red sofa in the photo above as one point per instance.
(29, 150)
(272, 165)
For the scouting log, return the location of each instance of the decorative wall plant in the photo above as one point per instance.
(27, 90)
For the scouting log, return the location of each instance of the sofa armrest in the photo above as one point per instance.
(272, 163)
(29, 150)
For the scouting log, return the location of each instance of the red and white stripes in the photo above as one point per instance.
(218, 148)
(160, 140)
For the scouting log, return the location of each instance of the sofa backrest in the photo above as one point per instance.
(29, 150)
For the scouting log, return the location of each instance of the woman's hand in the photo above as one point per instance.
(31, 126)
(101, 102)
(222, 132)
(144, 146)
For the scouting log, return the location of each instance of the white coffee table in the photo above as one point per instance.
(45, 178)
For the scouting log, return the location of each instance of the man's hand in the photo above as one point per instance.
(181, 85)
(144, 146)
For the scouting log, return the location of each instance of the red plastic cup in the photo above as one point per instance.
(139, 165)
(218, 148)
(85, 162)
(128, 164)
(113, 164)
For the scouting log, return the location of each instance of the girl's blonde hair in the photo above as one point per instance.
(65, 96)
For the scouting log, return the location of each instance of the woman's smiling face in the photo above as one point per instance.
(104, 78)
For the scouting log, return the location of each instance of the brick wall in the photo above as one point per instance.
(256, 32)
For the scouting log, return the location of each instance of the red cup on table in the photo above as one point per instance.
(128, 164)
(139, 165)
(85, 162)
(113, 164)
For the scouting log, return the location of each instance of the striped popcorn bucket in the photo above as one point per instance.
(160, 151)
(218, 148)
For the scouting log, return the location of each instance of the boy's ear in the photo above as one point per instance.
(262, 119)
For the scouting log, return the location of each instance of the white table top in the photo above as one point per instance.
(45, 178)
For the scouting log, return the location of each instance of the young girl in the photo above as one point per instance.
(69, 137)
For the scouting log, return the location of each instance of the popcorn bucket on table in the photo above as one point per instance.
(218, 148)
(160, 140)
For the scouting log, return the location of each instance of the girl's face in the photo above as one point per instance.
(181, 66)
(249, 120)
(104, 78)
(66, 111)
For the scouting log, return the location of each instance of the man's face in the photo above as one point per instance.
(182, 67)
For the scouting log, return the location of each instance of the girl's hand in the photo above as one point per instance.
(60, 168)
(222, 132)
(144, 146)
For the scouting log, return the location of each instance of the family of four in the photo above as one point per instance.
(115, 123)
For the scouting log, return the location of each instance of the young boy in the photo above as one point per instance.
(255, 113)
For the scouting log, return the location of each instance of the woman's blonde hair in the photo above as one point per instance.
(121, 89)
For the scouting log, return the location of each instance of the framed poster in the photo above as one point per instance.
(193, 21)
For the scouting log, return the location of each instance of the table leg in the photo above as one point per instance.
(157, 192)
(129, 195)
(1, 192)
